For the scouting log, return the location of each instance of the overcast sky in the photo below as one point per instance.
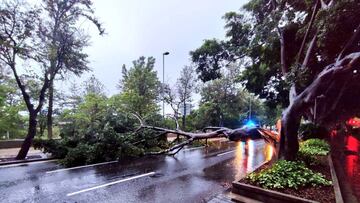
(148, 28)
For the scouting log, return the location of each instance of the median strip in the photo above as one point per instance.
(111, 183)
(78, 167)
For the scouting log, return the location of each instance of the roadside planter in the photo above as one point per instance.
(311, 178)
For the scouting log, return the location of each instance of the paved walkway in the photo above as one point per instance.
(6, 154)
(346, 155)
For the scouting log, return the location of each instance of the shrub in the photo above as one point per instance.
(56, 148)
(311, 130)
(80, 155)
(287, 174)
(314, 147)
(310, 149)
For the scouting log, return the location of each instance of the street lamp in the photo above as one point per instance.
(164, 54)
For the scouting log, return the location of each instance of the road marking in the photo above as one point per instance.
(26, 163)
(226, 153)
(111, 183)
(67, 169)
(194, 148)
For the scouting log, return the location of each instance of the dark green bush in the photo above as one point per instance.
(80, 155)
(311, 131)
(57, 148)
(287, 174)
(310, 149)
(314, 147)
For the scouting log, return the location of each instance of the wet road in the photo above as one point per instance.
(193, 175)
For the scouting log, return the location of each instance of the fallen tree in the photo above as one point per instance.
(215, 132)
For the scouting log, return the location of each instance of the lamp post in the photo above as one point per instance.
(163, 102)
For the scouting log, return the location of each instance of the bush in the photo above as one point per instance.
(314, 147)
(288, 174)
(80, 155)
(311, 131)
(311, 148)
(57, 148)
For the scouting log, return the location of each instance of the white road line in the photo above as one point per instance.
(66, 169)
(111, 183)
(26, 163)
(226, 153)
(194, 148)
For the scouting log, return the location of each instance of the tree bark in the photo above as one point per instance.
(332, 76)
(184, 117)
(50, 110)
(29, 137)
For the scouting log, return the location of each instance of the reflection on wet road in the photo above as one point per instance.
(190, 176)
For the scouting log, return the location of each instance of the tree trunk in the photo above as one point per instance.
(184, 117)
(29, 137)
(326, 84)
(290, 124)
(50, 110)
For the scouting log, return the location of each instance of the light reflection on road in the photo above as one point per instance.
(250, 155)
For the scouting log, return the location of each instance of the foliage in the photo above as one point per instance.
(94, 86)
(46, 37)
(96, 131)
(288, 174)
(311, 130)
(314, 147)
(224, 102)
(11, 122)
(180, 95)
(311, 150)
(140, 88)
(253, 41)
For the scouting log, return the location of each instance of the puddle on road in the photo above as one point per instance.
(249, 155)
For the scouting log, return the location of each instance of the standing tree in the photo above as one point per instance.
(23, 38)
(140, 88)
(92, 86)
(297, 41)
(181, 94)
(64, 42)
(185, 87)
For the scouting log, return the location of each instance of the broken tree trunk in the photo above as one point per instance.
(216, 132)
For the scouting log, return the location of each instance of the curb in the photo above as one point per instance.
(337, 191)
(25, 161)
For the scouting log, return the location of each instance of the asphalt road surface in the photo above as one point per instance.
(193, 175)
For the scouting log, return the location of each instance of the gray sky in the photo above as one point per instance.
(148, 28)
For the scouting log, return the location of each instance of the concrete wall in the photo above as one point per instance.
(4, 144)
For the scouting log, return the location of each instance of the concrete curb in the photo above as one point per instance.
(264, 195)
(25, 161)
(337, 191)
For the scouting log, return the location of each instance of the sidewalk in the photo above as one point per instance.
(7, 155)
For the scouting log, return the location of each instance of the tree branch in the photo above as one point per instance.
(354, 40)
(308, 30)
